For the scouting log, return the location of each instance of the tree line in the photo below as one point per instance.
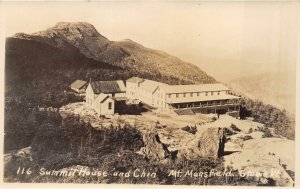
(270, 116)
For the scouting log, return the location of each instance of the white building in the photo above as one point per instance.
(142, 89)
(202, 98)
(102, 95)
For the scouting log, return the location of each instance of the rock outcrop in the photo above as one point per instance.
(154, 149)
(209, 143)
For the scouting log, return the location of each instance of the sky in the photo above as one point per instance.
(226, 39)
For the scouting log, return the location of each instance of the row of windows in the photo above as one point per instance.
(160, 95)
(196, 94)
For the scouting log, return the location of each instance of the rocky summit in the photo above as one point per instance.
(127, 54)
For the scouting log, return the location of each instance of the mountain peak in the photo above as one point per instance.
(82, 37)
(67, 29)
(80, 29)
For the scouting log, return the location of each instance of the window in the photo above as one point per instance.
(218, 92)
(198, 94)
(183, 94)
(206, 93)
(191, 94)
(113, 94)
(177, 95)
(212, 93)
(109, 105)
(169, 95)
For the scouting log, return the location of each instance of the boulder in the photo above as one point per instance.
(154, 149)
(207, 144)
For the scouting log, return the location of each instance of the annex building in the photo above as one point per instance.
(79, 86)
(102, 95)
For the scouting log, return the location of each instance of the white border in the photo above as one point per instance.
(56, 185)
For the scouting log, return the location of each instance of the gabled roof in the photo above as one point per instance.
(135, 80)
(149, 85)
(101, 97)
(194, 88)
(78, 84)
(108, 86)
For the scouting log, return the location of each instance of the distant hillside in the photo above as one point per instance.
(277, 89)
(126, 54)
(40, 66)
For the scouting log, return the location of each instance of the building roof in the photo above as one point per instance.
(149, 85)
(78, 84)
(108, 86)
(119, 98)
(135, 80)
(200, 98)
(101, 97)
(194, 88)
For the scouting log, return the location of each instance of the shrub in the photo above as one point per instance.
(250, 130)
(267, 133)
(272, 117)
(246, 137)
(190, 129)
(234, 127)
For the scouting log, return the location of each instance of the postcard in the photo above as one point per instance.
(154, 92)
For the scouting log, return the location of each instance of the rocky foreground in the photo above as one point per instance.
(241, 143)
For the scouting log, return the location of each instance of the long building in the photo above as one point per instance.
(201, 98)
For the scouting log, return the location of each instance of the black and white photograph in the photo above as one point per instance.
(199, 93)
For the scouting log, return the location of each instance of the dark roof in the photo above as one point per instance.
(119, 98)
(108, 86)
(78, 84)
(135, 80)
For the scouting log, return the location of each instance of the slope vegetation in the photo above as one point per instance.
(125, 54)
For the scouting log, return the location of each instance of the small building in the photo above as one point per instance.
(104, 104)
(102, 95)
(79, 86)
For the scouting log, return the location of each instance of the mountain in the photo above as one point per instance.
(125, 54)
(274, 88)
(40, 66)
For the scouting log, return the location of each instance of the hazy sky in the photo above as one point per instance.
(226, 39)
